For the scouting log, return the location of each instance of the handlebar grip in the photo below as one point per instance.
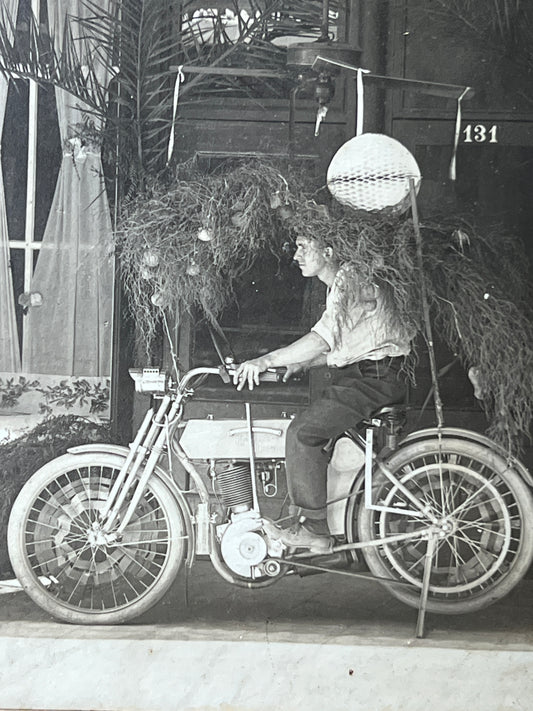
(275, 375)
(272, 375)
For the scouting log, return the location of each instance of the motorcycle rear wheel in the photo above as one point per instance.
(486, 510)
(68, 567)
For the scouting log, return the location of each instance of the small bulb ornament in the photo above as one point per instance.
(158, 299)
(205, 234)
(193, 269)
(150, 258)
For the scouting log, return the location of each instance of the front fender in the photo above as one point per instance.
(161, 474)
(100, 447)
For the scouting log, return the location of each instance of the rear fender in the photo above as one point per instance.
(471, 436)
(162, 475)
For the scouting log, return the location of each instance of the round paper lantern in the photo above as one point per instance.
(371, 172)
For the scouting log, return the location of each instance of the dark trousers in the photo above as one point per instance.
(355, 392)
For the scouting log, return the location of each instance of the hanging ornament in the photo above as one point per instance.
(193, 269)
(275, 201)
(205, 234)
(489, 291)
(150, 258)
(158, 299)
(475, 378)
(461, 238)
(372, 172)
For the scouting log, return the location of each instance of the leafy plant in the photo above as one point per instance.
(503, 26)
(11, 390)
(69, 393)
(140, 43)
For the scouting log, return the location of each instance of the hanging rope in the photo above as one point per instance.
(453, 162)
(360, 101)
(180, 78)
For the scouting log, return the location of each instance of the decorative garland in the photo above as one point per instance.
(183, 245)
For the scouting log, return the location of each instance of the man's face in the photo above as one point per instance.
(310, 257)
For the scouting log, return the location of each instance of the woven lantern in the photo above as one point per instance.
(371, 172)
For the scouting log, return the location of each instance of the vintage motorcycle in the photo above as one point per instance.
(441, 517)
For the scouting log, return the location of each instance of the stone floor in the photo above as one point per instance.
(320, 642)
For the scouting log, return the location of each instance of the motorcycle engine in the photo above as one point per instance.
(245, 549)
(243, 545)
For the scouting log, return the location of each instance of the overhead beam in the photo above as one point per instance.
(230, 71)
(450, 91)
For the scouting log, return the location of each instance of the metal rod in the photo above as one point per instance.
(340, 571)
(127, 462)
(425, 307)
(375, 542)
(155, 452)
(252, 455)
(422, 607)
(139, 456)
(292, 114)
(452, 91)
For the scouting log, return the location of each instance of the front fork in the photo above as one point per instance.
(151, 438)
(139, 465)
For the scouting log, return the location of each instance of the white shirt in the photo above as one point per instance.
(366, 333)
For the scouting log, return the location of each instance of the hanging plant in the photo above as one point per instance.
(182, 247)
(481, 297)
(477, 282)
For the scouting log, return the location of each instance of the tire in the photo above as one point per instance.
(70, 574)
(485, 547)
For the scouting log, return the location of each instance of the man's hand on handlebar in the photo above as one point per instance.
(248, 372)
(256, 370)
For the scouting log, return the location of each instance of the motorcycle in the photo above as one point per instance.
(440, 517)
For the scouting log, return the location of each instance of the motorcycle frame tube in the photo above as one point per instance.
(156, 449)
(128, 474)
(136, 452)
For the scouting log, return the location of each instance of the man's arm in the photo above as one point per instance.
(309, 350)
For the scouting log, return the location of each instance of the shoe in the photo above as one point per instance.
(299, 537)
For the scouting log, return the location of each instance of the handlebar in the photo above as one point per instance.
(271, 375)
(154, 381)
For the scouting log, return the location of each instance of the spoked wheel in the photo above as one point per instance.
(66, 561)
(477, 506)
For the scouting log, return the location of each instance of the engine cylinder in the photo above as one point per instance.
(235, 485)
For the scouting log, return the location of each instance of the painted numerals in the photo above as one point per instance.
(479, 133)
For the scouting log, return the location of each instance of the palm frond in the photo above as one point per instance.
(136, 42)
(32, 55)
(505, 26)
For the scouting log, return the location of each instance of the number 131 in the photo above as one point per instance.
(480, 134)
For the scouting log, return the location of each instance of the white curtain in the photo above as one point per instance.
(9, 346)
(70, 334)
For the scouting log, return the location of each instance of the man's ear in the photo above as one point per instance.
(328, 252)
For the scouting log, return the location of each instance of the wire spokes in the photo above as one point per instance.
(476, 541)
(84, 567)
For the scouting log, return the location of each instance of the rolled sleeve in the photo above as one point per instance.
(324, 328)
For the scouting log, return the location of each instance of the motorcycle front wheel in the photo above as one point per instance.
(483, 511)
(66, 563)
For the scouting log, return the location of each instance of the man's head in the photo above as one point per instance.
(315, 260)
